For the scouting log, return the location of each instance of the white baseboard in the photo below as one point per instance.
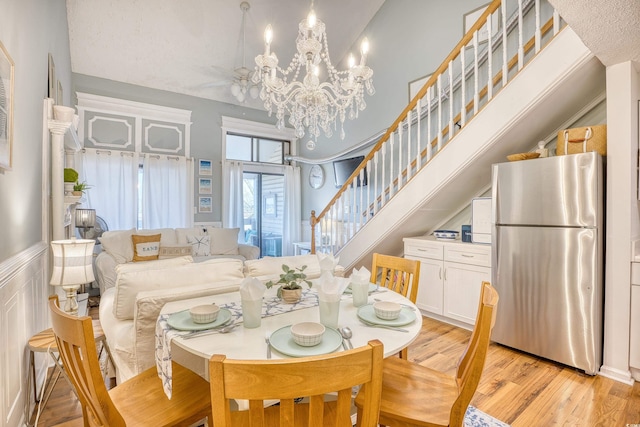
(616, 374)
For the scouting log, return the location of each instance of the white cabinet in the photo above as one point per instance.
(450, 277)
(634, 347)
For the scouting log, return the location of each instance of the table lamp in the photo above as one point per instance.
(85, 219)
(72, 267)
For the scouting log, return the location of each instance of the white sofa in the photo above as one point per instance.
(203, 243)
(129, 310)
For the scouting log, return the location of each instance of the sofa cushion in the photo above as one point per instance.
(200, 245)
(270, 268)
(129, 283)
(147, 309)
(153, 265)
(118, 243)
(224, 241)
(174, 251)
(145, 248)
(182, 233)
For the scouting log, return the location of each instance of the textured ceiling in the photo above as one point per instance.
(609, 28)
(191, 46)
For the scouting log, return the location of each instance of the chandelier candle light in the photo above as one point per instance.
(312, 105)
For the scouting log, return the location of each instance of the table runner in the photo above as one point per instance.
(165, 333)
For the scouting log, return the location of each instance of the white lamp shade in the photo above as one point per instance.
(72, 262)
(85, 218)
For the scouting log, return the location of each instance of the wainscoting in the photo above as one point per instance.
(23, 312)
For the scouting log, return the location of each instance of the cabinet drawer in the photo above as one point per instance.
(423, 248)
(468, 254)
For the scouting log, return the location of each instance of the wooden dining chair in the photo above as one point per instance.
(398, 274)
(401, 275)
(139, 401)
(287, 380)
(414, 395)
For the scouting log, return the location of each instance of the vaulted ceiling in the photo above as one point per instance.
(193, 46)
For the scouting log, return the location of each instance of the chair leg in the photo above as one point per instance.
(404, 353)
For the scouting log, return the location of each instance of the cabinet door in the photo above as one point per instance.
(430, 285)
(462, 290)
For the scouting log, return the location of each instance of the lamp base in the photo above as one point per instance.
(71, 304)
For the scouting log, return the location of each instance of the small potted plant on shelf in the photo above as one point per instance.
(79, 188)
(70, 179)
(290, 282)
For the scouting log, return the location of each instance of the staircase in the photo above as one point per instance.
(438, 154)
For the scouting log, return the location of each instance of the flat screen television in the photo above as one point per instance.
(342, 170)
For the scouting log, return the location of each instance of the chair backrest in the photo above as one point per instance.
(289, 379)
(471, 364)
(77, 349)
(398, 274)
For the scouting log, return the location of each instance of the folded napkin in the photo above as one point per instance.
(327, 262)
(331, 288)
(360, 276)
(251, 289)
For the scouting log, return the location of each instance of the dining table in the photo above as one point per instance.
(251, 343)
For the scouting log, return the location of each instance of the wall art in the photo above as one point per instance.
(7, 69)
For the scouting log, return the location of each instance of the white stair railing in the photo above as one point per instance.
(505, 38)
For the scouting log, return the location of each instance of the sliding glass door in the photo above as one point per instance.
(263, 197)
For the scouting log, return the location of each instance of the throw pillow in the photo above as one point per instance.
(173, 251)
(145, 248)
(200, 245)
(224, 241)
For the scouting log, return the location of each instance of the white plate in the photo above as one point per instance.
(368, 314)
(372, 288)
(282, 341)
(182, 321)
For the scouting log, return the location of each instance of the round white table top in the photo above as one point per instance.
(250, 344)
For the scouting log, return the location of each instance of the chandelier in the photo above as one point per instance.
(312, 105)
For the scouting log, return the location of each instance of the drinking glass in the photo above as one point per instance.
(360, 293)
(251, 313)
(329, 309)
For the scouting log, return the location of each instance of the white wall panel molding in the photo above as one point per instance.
(23, 312)
(125, 129)
(149, 128)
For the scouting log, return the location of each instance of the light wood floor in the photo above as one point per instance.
(517, 388)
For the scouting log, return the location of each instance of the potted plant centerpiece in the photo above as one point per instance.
(70, 179)
(290, 282)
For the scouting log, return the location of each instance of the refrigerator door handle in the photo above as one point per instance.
(445, 274)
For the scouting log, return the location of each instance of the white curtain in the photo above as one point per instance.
(292, 205)
(232, 201)
(166, 190)
(113, 177)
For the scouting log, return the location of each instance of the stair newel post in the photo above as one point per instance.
(313, 221)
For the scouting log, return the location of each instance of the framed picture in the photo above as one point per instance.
(416, 85)
(6, 108)
(270, 207)
(205, 205)
(205, 186)
(471, 17)
(52, 78)
(204, 167)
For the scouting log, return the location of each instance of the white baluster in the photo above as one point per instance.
(520, 37)
(368, 212)
(363, 209)
(538, 30)
(439, 126)
(409, 145)
(489, 59)
(418, 135)
(384, 167)
(556, 22)
(463, 88)
(451, 129)
(375, 182)
(391, 144)
(505, 59)
(429, 97)
(354, 207)
(400, 127)
(476, 91)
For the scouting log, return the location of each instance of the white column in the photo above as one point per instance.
(623, 91)
(57, 129)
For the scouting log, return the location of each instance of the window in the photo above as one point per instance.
(252, 149)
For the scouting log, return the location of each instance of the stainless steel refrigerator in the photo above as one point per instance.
(547, 257)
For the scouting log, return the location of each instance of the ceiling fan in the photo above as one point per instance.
(240, 77)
